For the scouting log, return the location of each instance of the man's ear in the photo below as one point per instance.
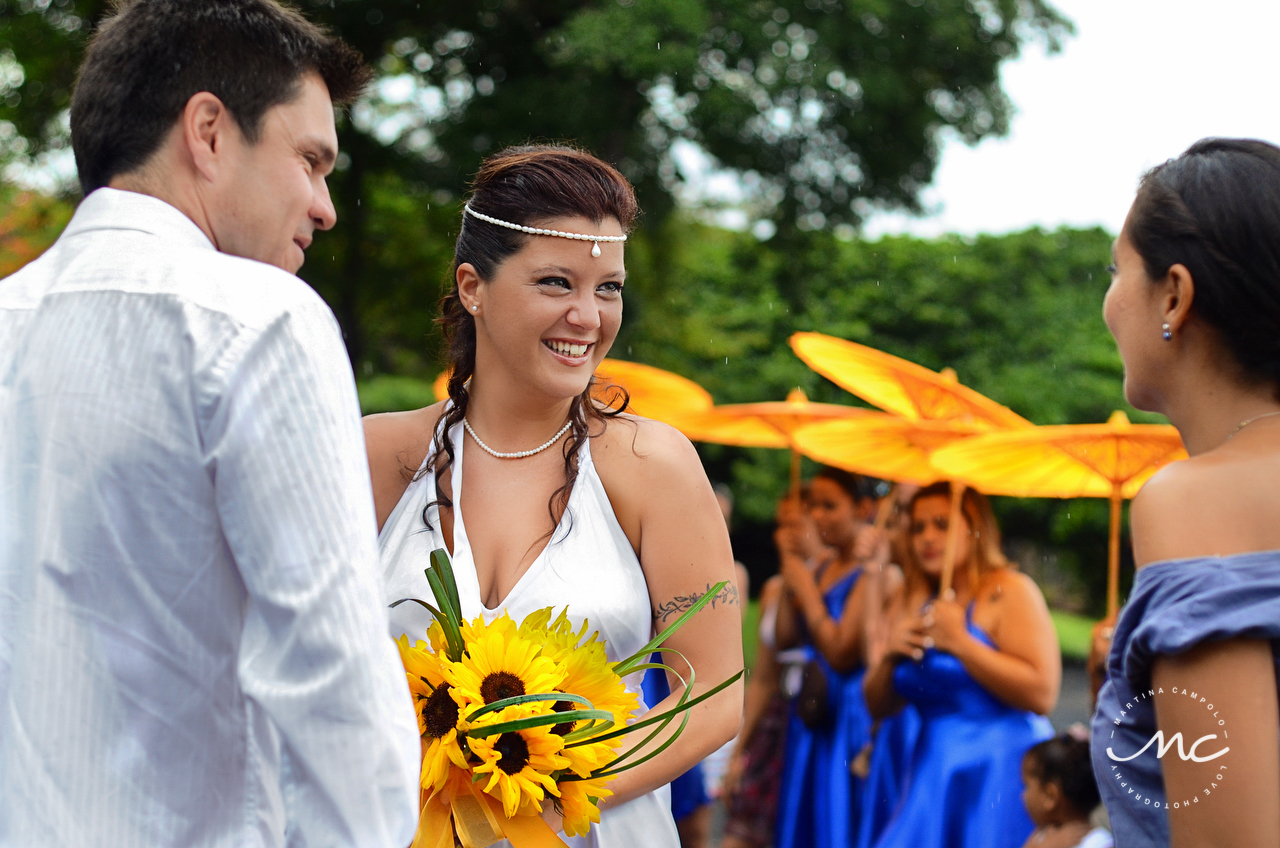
(206, 128)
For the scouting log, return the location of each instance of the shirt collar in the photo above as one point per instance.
(114, 209)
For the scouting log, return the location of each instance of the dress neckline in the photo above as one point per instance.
(1273, 553)
(461, 542)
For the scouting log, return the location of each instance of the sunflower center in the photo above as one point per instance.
(563, 728)
(501, 685)
(440, 714)
(514, 751)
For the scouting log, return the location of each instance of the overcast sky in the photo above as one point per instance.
(1139, 82)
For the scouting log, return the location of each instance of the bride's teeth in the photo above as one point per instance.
(568, 349)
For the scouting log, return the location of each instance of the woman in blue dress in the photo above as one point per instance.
(1194, 306)
(981, 667)
(822, 609)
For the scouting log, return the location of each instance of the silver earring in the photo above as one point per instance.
(1168, 333)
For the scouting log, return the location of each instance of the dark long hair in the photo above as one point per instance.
(1216, 210)
(526, 185)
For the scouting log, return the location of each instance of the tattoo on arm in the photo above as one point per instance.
(728, 596)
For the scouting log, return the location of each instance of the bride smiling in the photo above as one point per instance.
(542, 495)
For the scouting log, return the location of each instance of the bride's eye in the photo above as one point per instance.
(610, 287)
(557, 282)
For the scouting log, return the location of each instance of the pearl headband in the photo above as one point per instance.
(538, 231)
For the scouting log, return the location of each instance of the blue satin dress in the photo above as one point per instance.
(1174, 606)
(891, 752)
(818, 805)
(964, 785)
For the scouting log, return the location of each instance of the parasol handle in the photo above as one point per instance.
(1113, 555)
(795, 473)
(953, 539)
(885, 511)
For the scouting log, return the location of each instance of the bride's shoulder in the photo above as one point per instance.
(643, 451)
(397, 443)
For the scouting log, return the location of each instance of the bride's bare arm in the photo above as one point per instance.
(665, 505)
(396, 443)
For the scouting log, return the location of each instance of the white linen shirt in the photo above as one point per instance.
(193, 643)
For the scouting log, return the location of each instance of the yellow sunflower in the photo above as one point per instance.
(499, 664)
(437, 710)
(579, 803)
(557, 638)
(588, 673)
(519, 763)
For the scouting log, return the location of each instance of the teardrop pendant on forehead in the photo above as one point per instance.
(539, 231)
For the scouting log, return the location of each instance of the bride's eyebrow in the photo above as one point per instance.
(553, 269)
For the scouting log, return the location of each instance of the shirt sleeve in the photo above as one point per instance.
(285, 448)
(1178, 605)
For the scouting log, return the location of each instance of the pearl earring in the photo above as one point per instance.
(474, 308)
(1168, 333)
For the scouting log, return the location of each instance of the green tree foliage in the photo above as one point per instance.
(29, 223)
(823, 107)
(1018, 316)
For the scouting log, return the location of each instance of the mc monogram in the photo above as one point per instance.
(1162, 747)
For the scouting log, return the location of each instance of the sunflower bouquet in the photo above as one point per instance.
(516, 716)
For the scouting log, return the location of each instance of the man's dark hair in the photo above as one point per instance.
(151, 56)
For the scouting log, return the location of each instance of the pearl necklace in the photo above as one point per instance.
(517, 454)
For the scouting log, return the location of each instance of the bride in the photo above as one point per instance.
(543, 496)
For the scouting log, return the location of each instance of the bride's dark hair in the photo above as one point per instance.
(526, 185)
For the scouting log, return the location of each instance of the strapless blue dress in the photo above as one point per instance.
(1174, 606)
(818, 805)
(964, 785)
(891, 751)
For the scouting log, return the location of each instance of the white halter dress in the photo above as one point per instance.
(589, 565)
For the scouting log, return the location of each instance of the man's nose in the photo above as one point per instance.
(322, 213)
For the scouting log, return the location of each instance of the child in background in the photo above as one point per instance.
(1060, 792)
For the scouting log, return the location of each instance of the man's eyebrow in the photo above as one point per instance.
(325, 155)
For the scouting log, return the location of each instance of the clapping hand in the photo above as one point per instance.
(795, 572)
(872, 545)
(945, 626)
(908, 639)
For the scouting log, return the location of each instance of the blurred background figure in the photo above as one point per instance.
(982, 666)
(823, 610)
(883, 763)
(1060, 792)
(752, 780)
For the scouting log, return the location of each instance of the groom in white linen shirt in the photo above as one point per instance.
(193, 647)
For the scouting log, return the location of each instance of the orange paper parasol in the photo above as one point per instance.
(884, 446)
(1109, 460)
(772, 424)
(655, 393)
(913, 392)
(898, 386)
